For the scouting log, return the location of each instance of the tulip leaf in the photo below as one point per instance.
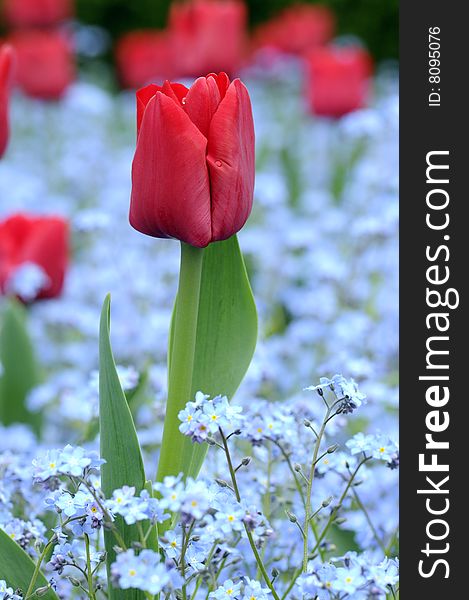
(17, 568)
(119, 448)
(225, 342)
(19, 372)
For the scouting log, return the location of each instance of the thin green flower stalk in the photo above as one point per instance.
(257, 556)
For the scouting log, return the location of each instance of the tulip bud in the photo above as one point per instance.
(296, 29)
(207, 35)
(36, 13)
(338, 80)
(143, 56)
(45, 66)
(193, 170)
(33, 256)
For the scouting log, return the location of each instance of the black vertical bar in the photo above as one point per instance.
(434, 124)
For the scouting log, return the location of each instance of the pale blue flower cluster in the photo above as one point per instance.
(378, 446)
(144, 571)
(353, 576)
(7, 593)
(71, 460)
(134, 508)
(205, 416)
(246, 589)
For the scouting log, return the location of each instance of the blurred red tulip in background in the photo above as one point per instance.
(36, 13)
(193, 170)
(339, 80)
(208, 35)
(36, 248)
(45, 66)
(6, 63)
(297, 29)
(143, 57)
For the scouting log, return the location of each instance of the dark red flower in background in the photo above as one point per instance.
(208, 36)
(339, 80)
(193, 170)
(144, 56)
(6, 63)
(36, 243)
(45, 66)
(297, 29)
(36, 13)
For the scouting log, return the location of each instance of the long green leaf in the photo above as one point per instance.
(20, 372)
(225, 343)
(17, 568)
(119, 447)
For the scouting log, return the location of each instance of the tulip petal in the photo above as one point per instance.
(223, 82)
(176, 91)
(144, 95)
(170, 184)
(202, 101)
(47, 246)
(231, 162)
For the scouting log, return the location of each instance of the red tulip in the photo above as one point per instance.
(35, 241)
(36, 13)
(6, 60)
(143, 56)
(208, 35)
(193, 170)
(45, 63)
(297, 29)
(338, 80)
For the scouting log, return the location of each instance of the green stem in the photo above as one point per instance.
(306, 526)
(257, 556)
(181, 359)
(37, 568)
(89, 571)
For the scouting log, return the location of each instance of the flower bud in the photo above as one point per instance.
(193, 170)
(291, 517)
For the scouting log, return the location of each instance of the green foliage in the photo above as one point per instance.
(119, 448)
(20, 372)
(225, 339)
(17, 568)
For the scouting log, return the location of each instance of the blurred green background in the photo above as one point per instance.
(374, 21)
